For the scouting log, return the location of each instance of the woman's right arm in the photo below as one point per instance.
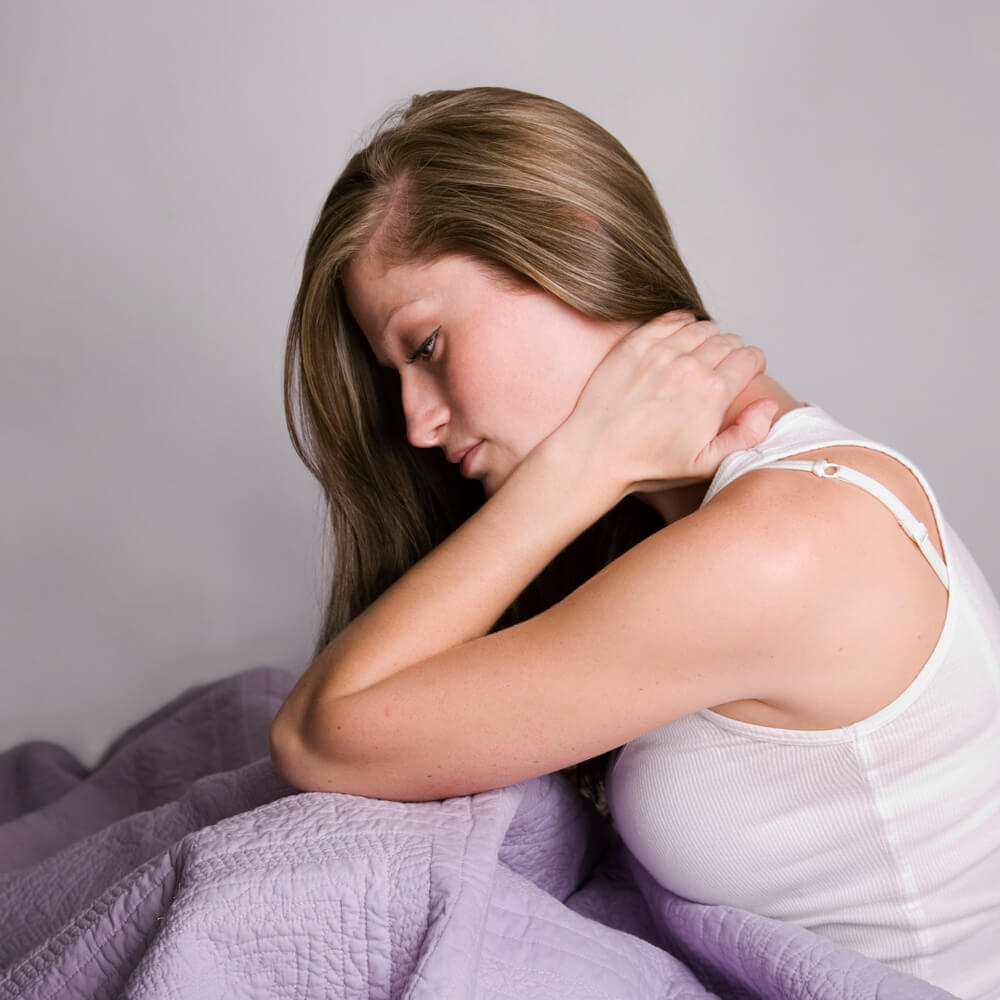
(651, 412)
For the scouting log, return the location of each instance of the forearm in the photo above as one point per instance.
(463, 586)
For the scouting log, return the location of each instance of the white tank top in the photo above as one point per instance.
(883, 835)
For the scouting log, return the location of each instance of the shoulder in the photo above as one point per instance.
(812, 508)
(767, 527)
(857, 600)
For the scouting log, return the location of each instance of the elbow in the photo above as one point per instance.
(343, 751)
(312, 749)
(298, 755)
(285, 749)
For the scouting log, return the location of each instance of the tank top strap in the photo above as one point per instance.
(916, 529)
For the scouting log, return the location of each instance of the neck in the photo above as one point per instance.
(673, 504)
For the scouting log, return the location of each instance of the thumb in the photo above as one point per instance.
(750, 428)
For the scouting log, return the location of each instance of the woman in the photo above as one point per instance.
(804, 680)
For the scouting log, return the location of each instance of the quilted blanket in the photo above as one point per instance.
(183, 867)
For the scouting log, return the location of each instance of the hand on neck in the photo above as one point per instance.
(673, 504)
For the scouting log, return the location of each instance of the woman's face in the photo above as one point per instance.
(486, 370)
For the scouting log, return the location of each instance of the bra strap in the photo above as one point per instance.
(917, 530)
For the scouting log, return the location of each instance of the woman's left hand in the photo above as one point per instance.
(654, 412)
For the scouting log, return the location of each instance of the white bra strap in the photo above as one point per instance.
(917, 530)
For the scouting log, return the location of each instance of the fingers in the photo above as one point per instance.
(710, 350)
(745, 363)
(668, 324)
(697, 353)
(680, 328)
(713, 350)
(679, 333)
(733, 374)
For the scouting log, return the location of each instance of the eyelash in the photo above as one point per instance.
(426, 350)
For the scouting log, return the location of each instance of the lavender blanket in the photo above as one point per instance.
(182, 866)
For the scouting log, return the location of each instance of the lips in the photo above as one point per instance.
(464, 457)
(468, 459)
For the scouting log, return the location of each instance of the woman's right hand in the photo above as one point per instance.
(652, 415)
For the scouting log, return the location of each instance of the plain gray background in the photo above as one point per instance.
(830, 170)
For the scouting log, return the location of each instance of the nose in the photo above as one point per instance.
(425, 410)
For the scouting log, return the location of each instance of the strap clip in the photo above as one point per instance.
(825, 469)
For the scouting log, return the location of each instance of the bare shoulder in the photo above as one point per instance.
(863, 608)
(877, 465)
(822, 514)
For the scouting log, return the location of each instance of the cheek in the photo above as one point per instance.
(535, 408)
(554, 389)
(525, 377)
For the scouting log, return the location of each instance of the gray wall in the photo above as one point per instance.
(830, 169)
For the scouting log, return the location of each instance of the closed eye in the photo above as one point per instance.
(426, 350)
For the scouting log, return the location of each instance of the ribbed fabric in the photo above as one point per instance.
(884, 835)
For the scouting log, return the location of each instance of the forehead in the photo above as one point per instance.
(384, 296)
(373, 284)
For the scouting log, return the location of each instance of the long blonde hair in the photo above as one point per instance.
(541, 194)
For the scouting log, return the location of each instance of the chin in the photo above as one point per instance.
(493, 479)
(491, 483)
